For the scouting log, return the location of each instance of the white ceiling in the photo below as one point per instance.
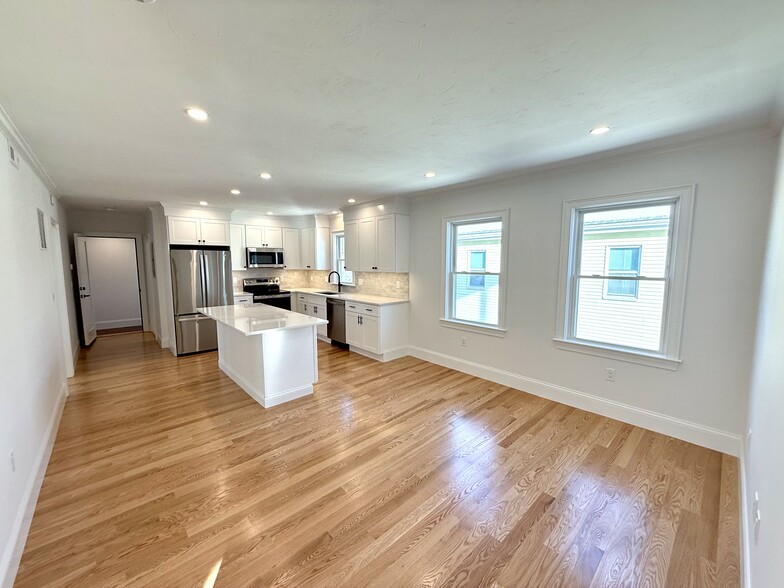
(344, 99)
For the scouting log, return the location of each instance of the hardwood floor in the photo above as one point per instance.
(164, 473)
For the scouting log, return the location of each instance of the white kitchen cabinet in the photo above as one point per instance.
(258, 236)
(315, 248)
(351, 241)
(238, 261)
(317, 307)
(380, 332)
(291, 249)
(244, 299)
(377, 243)
(368, 244)
(198, 231)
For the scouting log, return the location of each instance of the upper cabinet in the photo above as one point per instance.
(198, 231)
(256, 236)
(377, 243)
(238, 259)
(315, 248)
(291, 249)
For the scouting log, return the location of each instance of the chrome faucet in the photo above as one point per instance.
(338, 275)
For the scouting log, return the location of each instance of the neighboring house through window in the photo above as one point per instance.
(477, 263)
(625, 259)
(339, 258)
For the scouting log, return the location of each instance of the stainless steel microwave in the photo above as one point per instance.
(264, 257)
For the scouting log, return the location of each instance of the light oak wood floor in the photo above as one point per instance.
(164, 473)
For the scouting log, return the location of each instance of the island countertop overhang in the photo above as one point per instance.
(257, 319)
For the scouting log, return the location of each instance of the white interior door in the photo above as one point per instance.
(85, 297)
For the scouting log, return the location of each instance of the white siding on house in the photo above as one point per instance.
(631, 322)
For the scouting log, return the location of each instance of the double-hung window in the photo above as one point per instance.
(339, 258)
(474, 264)
(624, 274)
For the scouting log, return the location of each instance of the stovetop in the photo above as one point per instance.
(263, 287)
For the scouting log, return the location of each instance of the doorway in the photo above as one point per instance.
(109, 282)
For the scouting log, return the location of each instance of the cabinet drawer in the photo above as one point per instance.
(370, 309)
(302, 297)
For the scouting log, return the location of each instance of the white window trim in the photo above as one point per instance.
(498, 330)
(672, 321)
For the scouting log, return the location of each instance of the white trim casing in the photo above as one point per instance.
(446, 261)
(678, 260)
(718, 440)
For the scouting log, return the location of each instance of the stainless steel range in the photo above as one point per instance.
(267, 291)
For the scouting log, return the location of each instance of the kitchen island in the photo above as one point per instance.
(269, 352)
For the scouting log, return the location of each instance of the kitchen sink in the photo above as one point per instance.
(327, 292)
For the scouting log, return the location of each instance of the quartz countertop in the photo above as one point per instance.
(256, 319)
(352, 297)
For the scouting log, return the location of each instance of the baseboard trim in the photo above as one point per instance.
(745, 538)
(18, 537)
(716, 439)
(119, 323)
(389, 355)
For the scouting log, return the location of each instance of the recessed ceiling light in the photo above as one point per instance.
(203, 203)
(351, 201)
(197, 114)
(270, 213)
(600, 130)
(235, 192)
(430, 174)
(335, 212)
(109, 209)
(265, 176)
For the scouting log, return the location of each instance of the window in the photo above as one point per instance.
(477, 262)
(623, 283)
(339, 258)
(623, 261)
(475, 254)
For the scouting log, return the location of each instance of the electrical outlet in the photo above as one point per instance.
(609, 374)
(13, 462)
(360, 281)
(397, 284)
(462, 341)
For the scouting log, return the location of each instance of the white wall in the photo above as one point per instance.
(32, 362)
(114, 283)
(704, 400)
(763, 462)
(152, 279)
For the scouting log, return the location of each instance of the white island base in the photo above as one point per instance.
(270, 353)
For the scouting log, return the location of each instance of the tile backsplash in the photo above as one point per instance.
(373, 283)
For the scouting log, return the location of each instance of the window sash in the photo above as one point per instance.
(575, 254)
(452, 273)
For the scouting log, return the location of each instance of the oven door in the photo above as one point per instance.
(276, 300)
(264, 257)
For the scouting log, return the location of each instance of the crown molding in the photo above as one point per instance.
(22, 147)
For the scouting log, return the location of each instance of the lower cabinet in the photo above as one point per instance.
(362, 331)
(312, 306)
(378, 331)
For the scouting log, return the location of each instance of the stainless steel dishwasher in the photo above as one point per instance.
(336, 315)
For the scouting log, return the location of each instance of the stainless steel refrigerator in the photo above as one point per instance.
(200, 277)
